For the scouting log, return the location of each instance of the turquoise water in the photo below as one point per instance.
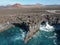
(12, 36)
(45, 36)
(42, 38)
(15, 36)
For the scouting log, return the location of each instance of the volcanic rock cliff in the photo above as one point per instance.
(32, 16)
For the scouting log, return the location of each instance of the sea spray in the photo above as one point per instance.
(46, 36)
(16, 36)
(46, 27)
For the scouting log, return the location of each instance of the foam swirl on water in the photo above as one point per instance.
(46, 27)
(45, 36)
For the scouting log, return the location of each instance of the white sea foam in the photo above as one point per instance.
(55, 42)
(47, 28)
(23, 34)
(19, 37)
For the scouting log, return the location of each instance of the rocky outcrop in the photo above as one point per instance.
(51, 19)
(31, 16)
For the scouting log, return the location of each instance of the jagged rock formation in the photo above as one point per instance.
(31, 16)
(51, 19)
(22, 25)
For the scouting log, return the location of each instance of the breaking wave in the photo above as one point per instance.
(45, 36)
(46, 27)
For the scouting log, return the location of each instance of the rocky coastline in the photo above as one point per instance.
(32, 17)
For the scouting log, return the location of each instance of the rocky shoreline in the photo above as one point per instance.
(5, 26)
(33, 21)
(32, 17)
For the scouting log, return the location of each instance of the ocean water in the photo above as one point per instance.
(47, 35)
(12, 36)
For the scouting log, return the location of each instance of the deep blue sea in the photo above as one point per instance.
(45, 36)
